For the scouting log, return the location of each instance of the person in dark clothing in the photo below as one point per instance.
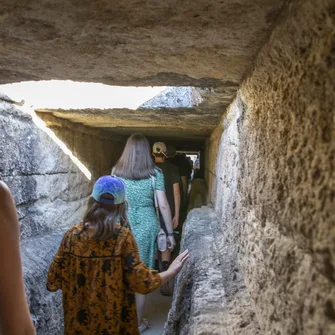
(171, 178)
(172, 187)
(185, 172)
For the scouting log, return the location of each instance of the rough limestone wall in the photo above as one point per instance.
(198, 194)
(48, 188)
(45, 307)
(50, 193)
(211, 151)
(96, 149)
(275, 175)
(210, 296)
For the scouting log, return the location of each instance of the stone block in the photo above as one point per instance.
(210, 296)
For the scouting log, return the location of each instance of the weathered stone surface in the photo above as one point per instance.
(272, 180)
(175, 97)
(198, 195)
(45, 307)
(275, 177)
(189, 43)
(50, 192)
(138, 43)
(187, 112)
(47, 202)
(48, 188)
(169, 123)
(210, 296)
(97, 149)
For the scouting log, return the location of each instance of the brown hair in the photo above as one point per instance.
(105, 217)
(135, 162)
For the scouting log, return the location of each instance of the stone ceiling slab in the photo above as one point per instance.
(179, 123)
(133, 42)
(199, 43)
(162, 115)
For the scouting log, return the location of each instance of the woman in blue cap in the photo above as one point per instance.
(98, 267)
(137, 169)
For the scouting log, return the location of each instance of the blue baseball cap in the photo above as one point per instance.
(111, 185)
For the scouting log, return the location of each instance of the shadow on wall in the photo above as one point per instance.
(48, 187)
(50, 166)
(97, 149)
(41, 125)
(198, 196)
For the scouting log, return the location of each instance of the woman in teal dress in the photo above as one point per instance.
(136, 168)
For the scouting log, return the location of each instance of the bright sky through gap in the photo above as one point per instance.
(60, 94)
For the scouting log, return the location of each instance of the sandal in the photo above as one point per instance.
(144, 325)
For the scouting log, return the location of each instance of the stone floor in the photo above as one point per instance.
(156, 311)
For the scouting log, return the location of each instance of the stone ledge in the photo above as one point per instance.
(210, 296)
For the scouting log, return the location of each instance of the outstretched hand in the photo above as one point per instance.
(179, 262)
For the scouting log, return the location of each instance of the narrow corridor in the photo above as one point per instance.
(249, 85)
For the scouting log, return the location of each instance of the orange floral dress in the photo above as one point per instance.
(98, 280)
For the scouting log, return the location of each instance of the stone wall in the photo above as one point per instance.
(211, 151)
(274, 181)
(96, 149)
(50, 193)
(49, 188)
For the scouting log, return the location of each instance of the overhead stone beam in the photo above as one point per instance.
(181, 122)
(133, 42)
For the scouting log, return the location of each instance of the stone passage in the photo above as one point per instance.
(251, 88)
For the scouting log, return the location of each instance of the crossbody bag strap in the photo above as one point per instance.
(153, 181)
(160, 222)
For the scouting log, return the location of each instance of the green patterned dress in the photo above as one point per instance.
(142, 215)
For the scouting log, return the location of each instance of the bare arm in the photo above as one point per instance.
(165, 210)
(176, 195)
(138, 276)
(174, 268)
(14, 313)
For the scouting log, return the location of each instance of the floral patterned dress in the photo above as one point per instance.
(98, 280)
(142, 215)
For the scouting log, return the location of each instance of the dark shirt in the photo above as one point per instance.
(171, 176)
(183, 164)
